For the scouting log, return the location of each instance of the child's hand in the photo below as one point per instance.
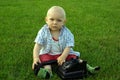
(35, 61)
(60, 60)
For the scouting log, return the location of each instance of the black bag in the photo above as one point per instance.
(72, 69)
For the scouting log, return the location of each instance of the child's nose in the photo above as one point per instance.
(55, 22)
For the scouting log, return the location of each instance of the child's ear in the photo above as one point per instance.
(46, 19)
(64, 21)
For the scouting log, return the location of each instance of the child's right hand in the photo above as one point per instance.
(35, 61)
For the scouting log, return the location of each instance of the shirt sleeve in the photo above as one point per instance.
(40, 37)
(69, 39)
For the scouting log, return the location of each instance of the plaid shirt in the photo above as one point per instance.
(66, 39)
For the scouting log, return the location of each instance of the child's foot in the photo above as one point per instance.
(44, 74)
(92, 69)
(97, 68)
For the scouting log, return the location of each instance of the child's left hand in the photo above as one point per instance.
(60, 60)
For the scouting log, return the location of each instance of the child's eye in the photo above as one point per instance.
(59, 20)
(51, 19)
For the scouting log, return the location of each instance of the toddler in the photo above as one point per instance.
(54, 41)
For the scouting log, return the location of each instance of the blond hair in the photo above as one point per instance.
(57, 9)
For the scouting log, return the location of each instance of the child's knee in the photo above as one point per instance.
(48, 67)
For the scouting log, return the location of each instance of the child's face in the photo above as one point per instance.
(55, 21)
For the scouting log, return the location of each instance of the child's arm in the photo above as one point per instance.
(63, 56)
(36, 51)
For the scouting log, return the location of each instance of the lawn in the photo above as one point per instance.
(94, 23)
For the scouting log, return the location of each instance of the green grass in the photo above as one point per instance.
(94, 23)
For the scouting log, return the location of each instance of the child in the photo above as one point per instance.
(54, 41)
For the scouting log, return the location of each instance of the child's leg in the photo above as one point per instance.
(48, 68)
(45, 73)
(90, 68)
